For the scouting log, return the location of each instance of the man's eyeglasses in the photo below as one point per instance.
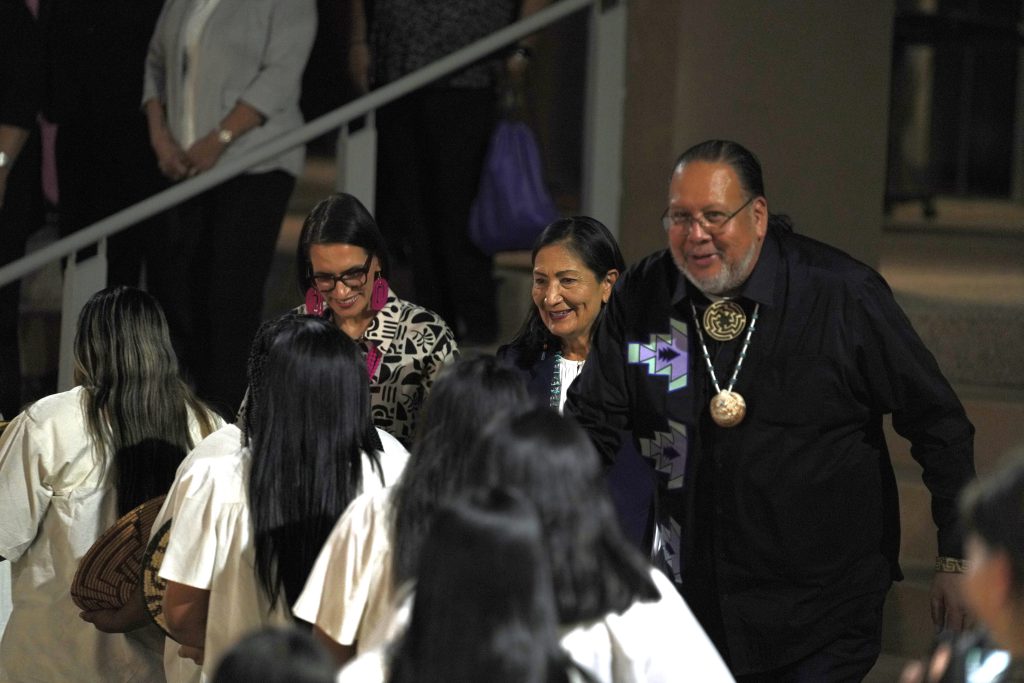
(711, 222)
(352, 278)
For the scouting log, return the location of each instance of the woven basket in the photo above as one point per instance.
(112, 569)
(153, 586)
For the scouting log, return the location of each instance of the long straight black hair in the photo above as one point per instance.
(135, 403)
(308, 427)
(551, 461)
(484, 609)
(465, 396)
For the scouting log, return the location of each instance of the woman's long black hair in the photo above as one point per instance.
(593, 244)
(465, 396)
(484, 608)
(135, 403)
(549, 459)
(308, 425)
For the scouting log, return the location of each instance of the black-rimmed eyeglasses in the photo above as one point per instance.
(353, 278)
(711, 222)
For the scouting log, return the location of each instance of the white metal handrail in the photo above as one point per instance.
(339, 117)
(602, 149)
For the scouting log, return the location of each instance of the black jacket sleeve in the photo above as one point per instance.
(907, 382)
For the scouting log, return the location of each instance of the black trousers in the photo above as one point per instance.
(105, 164)
(847, 658)
(431, 147)
(21, 215)
(215, 255)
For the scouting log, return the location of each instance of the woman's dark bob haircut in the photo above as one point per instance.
(339, 219)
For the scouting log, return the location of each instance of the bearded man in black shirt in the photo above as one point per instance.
(753, 366)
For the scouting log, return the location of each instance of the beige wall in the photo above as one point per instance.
(802, 83)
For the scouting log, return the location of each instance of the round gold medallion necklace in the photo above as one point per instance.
(727, 407)
(724, 320)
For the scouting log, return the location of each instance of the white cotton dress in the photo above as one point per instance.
(349, 593)
(651, 642)
(57, 495)
(211, 541)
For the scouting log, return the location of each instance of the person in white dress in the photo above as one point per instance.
(252, 510)
(621, 620)
(375, 546)
(70, 465)
(485, 604)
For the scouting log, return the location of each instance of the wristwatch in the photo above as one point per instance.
(522, 52)
(225, 136)
(5, 159)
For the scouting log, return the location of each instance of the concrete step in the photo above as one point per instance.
(976, 344)
(908, 631)
(997, 436)
(960, 215)
(960, 279)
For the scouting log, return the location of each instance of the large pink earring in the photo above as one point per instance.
(379, 294)
(314, 302)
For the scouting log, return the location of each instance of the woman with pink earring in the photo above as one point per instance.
(341, 264)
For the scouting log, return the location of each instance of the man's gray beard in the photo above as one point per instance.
(728, 280)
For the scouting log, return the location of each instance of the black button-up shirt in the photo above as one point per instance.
(791, 516)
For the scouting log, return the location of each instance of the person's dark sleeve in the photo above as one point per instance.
(21, 66)
(599, 399)
(905, 380)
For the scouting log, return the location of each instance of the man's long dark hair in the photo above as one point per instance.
(462, 400)
(550, 460)
(746, 166)
(135, 403)
(308, 426)
(595, 246)
(484, 608)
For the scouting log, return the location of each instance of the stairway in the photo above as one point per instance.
(960, 279)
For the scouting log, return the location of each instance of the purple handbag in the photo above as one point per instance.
(513, 205)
